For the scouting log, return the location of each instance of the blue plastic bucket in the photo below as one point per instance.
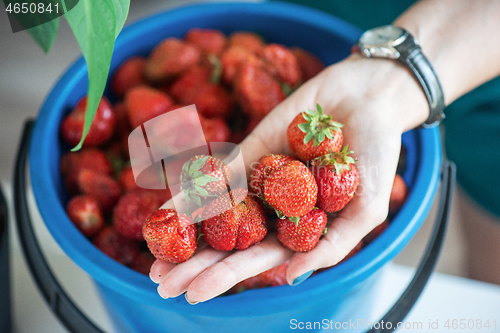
(339, 294)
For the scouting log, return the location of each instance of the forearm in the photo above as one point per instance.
(458, 37)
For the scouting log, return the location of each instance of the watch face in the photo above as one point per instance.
(381, 35)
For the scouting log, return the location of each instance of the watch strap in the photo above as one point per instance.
(411, 54)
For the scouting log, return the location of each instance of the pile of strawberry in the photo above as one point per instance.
(234, 81)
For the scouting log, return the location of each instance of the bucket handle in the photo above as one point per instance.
(76, 321)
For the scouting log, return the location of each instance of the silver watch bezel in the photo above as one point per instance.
(382, 50)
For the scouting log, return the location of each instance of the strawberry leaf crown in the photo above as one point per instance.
(340, 160)
(216, 64)
(318, 126)
(193, 180)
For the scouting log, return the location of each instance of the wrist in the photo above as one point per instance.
(394, 86)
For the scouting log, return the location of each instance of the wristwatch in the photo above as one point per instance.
(396, 43)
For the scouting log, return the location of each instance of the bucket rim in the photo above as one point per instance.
(121, 279)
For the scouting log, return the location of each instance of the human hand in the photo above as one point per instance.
(376, 100)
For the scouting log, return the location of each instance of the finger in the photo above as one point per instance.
(356, 220)
(178, 279)
(159, 269)
(238, 266)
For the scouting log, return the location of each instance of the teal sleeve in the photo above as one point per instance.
(365, 14)
(472, 141)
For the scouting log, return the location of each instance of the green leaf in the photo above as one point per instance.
(321, 137)
(320, 110)
(95, 25)
(121, 9)
(328, 133)
(295, 219)
(311, 112)
(45, 34)
(204, 180)
(42, 27)
(197, 201)
(217, 68)
(308, 137)
(304, 127)
(197, 165)
(287, 90)
(201, 191)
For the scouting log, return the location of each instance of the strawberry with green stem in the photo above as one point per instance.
(304, 234)
(204, 176)
(313, 133)
(337, 179)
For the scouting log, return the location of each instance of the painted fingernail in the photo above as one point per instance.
(187, 299)
(302, 278)
(159, 293)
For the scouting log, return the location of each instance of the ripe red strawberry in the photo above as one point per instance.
(399, 192)
(209, 41)
(170, 58)
(247, 40)
(256, 90)
(170, 236)
(310, 65)
(130, 74)
(252, 123)
(215, 130)
(204, 176)
(179, 133)
(116, 246)
(231, 60)
(104, 189)
(72, 163)
(126, 179)
(100, 131)
(266, 166)
(185, 88)
(85, 214)
(281, 63)
(273, 277)
(237, 137)
(402, 160)
(303, 235)
(132, 210)
(233, 221)
(337, 179)
(312, 134)
(291, 190)
(122, 128)
(145, 103)
(212, 101)
(375, 232)
(149, 179)
(142, 262)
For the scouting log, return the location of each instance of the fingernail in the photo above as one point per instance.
(159, 293)
(187, 299)
(151, 277)
(302, 278)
